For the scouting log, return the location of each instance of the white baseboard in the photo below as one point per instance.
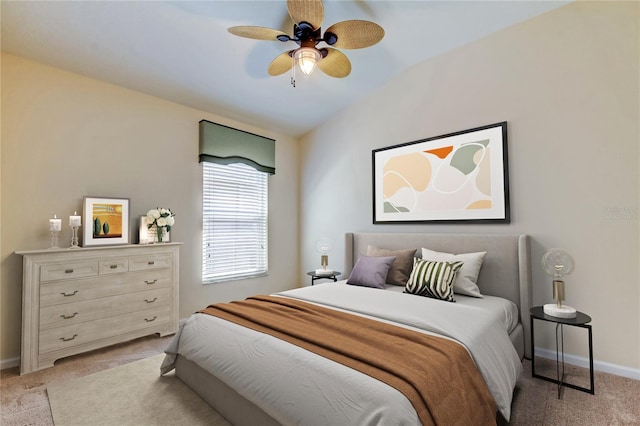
(606, 367)
(9, 363)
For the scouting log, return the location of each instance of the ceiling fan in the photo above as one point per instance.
(307, 16)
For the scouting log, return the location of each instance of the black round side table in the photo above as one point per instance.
(332, 276)
(581, 320)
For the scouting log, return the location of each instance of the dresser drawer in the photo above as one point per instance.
(89, 310)
(113, 266)
(156, 261)
(74, 335)
(66, 271)
(56, 293)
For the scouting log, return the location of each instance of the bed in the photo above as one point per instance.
(252, 377)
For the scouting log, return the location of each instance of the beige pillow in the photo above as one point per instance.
(401, 267)
(467, 277)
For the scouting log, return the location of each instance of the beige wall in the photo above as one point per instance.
(567, 84)
(65, 136)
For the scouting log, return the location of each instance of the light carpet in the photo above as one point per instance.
(131, 394)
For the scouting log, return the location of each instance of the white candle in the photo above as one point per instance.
(75, 220)
(55, 224)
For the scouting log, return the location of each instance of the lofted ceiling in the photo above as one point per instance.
(181, 50)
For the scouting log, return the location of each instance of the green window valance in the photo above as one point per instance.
(225, 145)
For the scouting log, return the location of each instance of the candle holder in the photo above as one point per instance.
(74, 237)
(55, 226)
(54, 240)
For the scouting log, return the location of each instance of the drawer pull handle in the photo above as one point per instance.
(68, 316)
(151, 301)
(69, 339)
(151, 282)
(70, 294)
(68, 271)
(151, 262)
(113, 266)
(150, 320)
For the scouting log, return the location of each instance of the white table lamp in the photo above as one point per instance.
(558, 263)
(323, 246)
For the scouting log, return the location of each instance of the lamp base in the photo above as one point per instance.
(324, 271)
(563, 311)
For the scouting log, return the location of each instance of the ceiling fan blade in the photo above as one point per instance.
(335, 64)
(258, 33)
(356, 34)
(281, 64)
(311, 11)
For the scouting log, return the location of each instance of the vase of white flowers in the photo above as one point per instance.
(162, 219)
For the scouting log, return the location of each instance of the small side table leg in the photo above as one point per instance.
(560, 363)
(533, 349)
(592, 391)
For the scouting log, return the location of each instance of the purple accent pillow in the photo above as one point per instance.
(371, 271)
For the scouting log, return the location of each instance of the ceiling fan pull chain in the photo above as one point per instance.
(293, 71)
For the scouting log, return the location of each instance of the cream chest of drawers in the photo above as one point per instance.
(77, 300)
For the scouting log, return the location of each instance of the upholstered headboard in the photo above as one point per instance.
(505, 272)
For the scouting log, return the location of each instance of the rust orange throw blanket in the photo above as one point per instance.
(437, 375)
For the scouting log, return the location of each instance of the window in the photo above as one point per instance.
(234, 210)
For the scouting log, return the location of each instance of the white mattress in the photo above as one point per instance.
(290, 383)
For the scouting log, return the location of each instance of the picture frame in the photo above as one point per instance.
(106, 221)
(460, 177)
(148, 235)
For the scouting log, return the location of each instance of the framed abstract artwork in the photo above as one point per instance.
(460, 177)
(106, 221)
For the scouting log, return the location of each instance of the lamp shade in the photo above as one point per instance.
(323, 245)
(557, 263)
(306, 58)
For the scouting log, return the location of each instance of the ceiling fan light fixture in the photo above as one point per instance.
(307, 17)
(306, 58)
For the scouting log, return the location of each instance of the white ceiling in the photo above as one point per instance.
(181, 50)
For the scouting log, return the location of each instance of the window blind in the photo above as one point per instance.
(235, 206)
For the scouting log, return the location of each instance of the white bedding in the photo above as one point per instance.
(291, 384)
(501, 309)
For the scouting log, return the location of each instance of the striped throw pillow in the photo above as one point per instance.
(433, 279)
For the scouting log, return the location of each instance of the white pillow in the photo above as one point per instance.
(467, 277)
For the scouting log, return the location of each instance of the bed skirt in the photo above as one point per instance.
(237, 410)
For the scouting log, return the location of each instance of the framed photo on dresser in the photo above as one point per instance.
(106, 221)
